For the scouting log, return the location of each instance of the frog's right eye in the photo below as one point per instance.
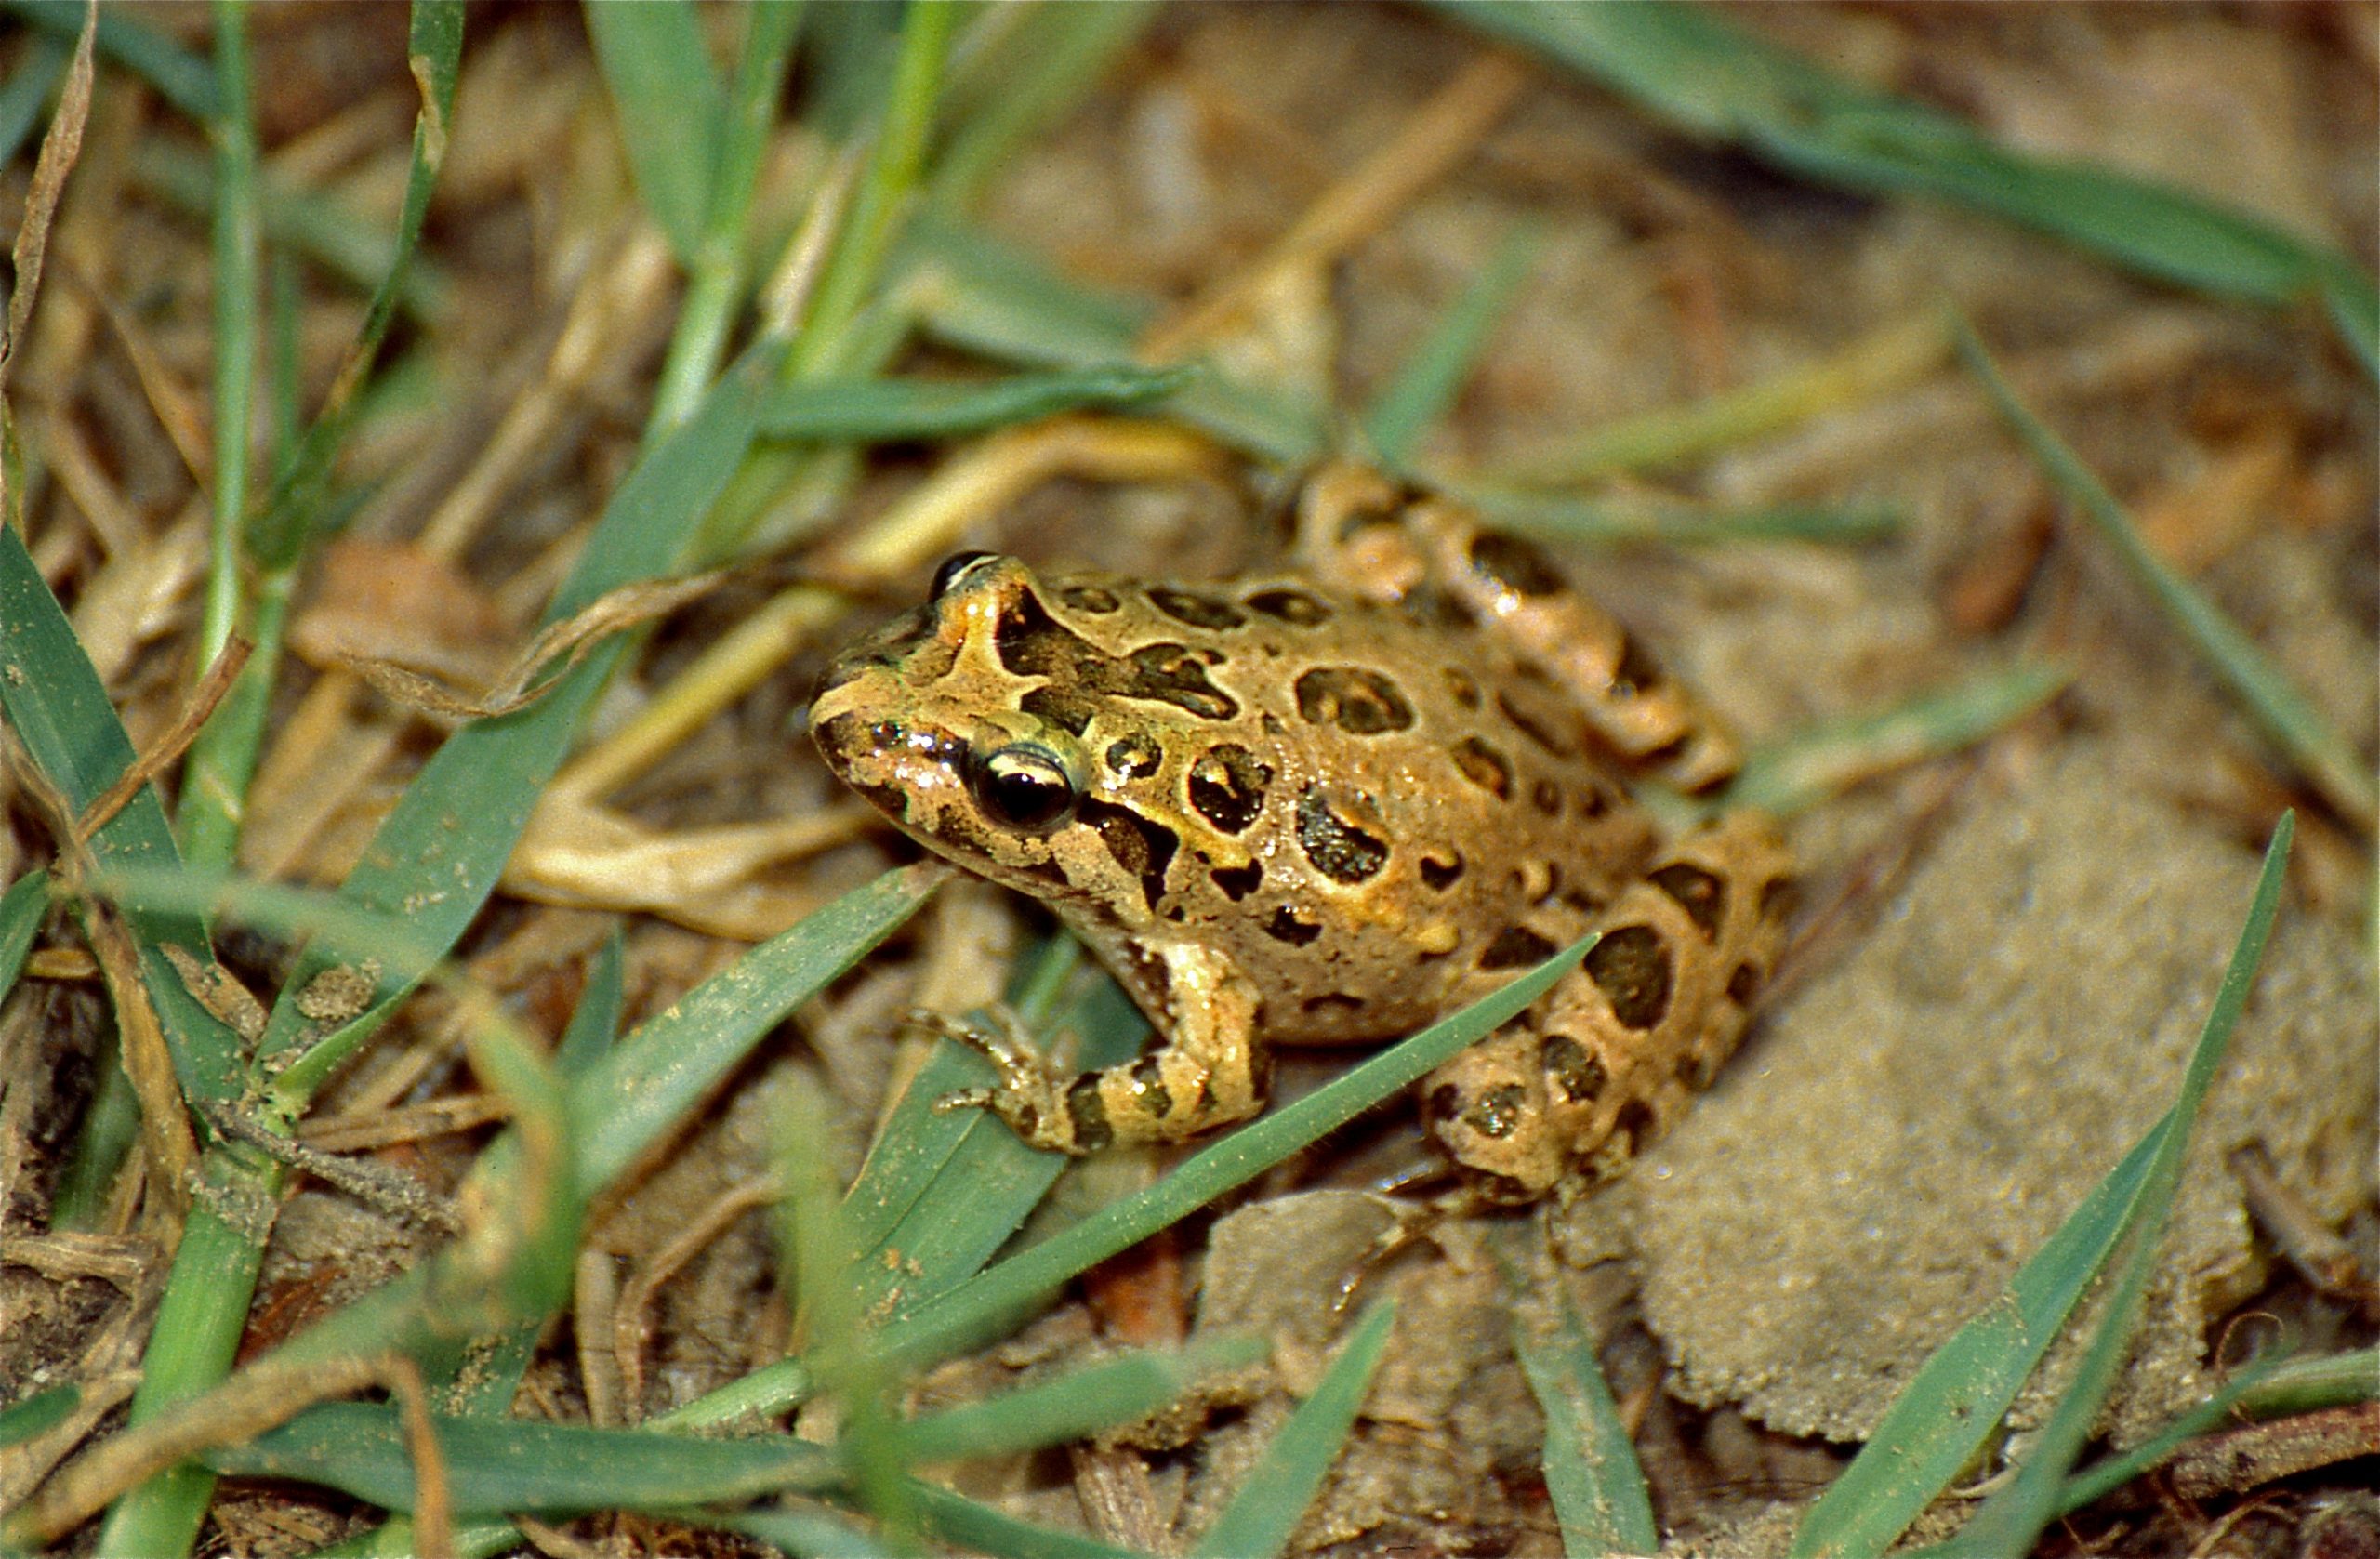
(952, 567)
(1022, 786)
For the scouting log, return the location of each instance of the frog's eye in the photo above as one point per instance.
(952, 567)
(1022, 786)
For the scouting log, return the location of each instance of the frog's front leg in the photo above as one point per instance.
(1208, 1074)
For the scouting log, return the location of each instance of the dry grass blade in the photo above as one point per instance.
(60, 148)
(162, 754)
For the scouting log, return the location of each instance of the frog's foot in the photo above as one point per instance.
(1029, 1094)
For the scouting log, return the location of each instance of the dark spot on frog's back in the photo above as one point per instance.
(1134, 757)
(1516, 948)
(1462, 687)
(1540, 723)
(1097, 600)
(1177, 675)
(1198, 610)
(1237, 882)
(1703, 896)
(1226, 786)
(1630, 966)
(1291, 606)
(1514, 563)
(1484, 766)
(1142, 846)
(1442, 875)
(1359, 702)
(1572, 1066)
(1070, 711)
(1287, 926)
(1338, 847)
(1030, 643)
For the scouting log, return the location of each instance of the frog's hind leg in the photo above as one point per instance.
(1606, 1060)
(1362, 532)
(1209, 1074)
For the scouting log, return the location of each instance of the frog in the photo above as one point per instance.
(1329, 804)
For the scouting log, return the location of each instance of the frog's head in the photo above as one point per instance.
(972, 721)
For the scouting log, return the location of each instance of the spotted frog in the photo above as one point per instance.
(1331, 807)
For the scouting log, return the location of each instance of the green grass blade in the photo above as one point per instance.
(623, 1104)
(967, 1312)
(438, 855)
(39, 1413)
(496, 1465)
(52, 697)
(1792, 775)
(716, 271)
(2287, 717)
(1269, 1505)
(321, 229)
(942, 1191)
(1619, 520)
(22, 909)
(1429, 380)
(434, 50)
(1083, 1402)
(28, 91)
(879, 206)
(1591, 1467)
(1050, 61)
(2114, 1471)
(181, 77)
(970, 291)
(981, 1529)
(1897, 355)
(2013, 1517)
(671, 104)
(1691, 66)
(865, 411)
(1955, 1403)
(807, 1530)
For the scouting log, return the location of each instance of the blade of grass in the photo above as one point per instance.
(53, 699)
(27, 91)
(808, 1529)
(981, 1529)
(1274, 1497)
(834, 336)
(874, 411)
(181, 77)
(320, 229)
(235, 243)
(2114, 1471)
(1790, 777)
(972, 292)
(1958, 1397)
(22, 909)
(2012, 1518)
(671, 105)
(1713, 79)
(1426, 384)
(1080, 1403)
(273, 542)
(438, 855)
(1899, 354)
(1616, 521)
(1047, 64)
(965, 1312)
(1591, 1467)
(2271, 700)
(943, 1191)
(511, 1464)
(716, 267)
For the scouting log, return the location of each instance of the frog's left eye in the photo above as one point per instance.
(1022, 786)
(952, 568)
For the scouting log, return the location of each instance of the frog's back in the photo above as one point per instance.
(1376, 811)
